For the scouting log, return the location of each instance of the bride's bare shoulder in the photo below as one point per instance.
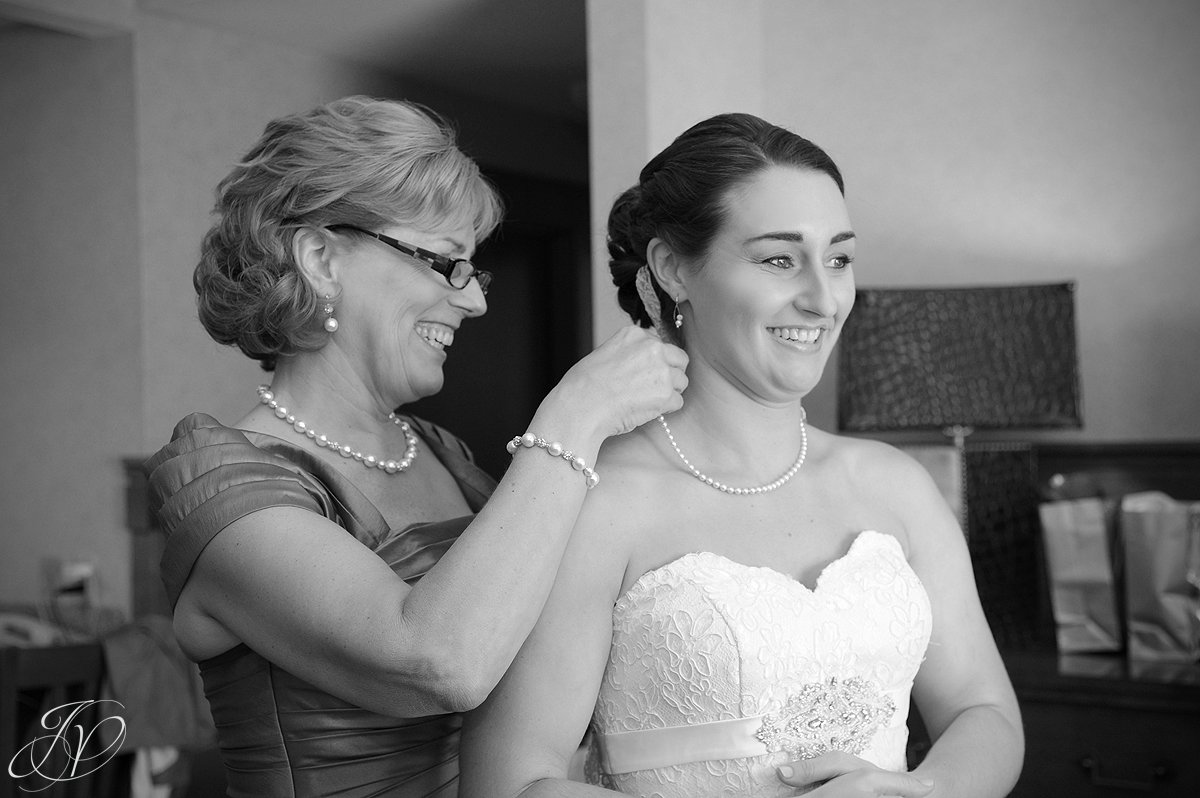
(631, 469)
(894, 478)
(633, 460)
(868, 459)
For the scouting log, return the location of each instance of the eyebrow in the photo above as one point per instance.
(457, 251)
(798, 238)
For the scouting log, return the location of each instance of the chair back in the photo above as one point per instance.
(54, 735)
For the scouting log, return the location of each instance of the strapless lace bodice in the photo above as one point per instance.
(719, 672)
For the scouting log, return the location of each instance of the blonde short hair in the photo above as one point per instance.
(356, 160)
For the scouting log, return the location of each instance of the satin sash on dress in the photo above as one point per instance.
(625, 752)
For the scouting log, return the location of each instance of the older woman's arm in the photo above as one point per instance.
(301, 592)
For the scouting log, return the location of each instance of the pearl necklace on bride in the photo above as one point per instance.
(721, 486)
(369, 460)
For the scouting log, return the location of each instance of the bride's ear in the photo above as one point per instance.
(667, 268)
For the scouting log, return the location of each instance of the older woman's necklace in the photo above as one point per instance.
(384, 464)
(721, 486)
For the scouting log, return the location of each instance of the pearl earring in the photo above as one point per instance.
(678, 316)
(330, 324)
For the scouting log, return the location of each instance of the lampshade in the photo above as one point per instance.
(985, 357)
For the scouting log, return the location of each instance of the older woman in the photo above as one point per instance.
(331, 562)
(748, 601)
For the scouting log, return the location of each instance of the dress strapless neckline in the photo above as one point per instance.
(709, 656)
(866, 537)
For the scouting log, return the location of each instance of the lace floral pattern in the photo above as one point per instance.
(704, 638)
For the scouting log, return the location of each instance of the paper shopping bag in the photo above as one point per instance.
(1076, 535)
(1161, 538)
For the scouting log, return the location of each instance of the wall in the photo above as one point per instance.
(69, 352)
(85, 17)
(982, 143)
(1022, 142)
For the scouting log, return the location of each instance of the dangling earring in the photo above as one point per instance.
(330, 324)
(678, 316)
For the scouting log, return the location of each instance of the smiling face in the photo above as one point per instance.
(765, 307)
(397, 315)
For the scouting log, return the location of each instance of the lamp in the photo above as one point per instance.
(960, 359)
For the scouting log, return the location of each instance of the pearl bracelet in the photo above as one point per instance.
(554, 449)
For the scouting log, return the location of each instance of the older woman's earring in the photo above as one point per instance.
(330, 324)
(678, 317)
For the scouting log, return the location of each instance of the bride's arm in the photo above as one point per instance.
(962, 689)
(522, 739)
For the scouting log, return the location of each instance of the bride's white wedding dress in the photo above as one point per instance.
(719, 672)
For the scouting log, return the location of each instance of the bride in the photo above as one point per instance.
(748, 602)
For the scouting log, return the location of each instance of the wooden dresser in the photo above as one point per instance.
(1097, 725)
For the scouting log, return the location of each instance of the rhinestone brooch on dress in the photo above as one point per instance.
(838, 715)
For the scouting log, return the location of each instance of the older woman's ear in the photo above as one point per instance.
(314, 254)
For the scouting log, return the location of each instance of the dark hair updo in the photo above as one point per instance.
(357, 161)
(680, 195)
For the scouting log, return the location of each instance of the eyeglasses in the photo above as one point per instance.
(457, 271)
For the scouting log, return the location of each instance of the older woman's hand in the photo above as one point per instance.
(841, 775)
(627, 380)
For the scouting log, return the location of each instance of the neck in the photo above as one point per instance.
(725, 431)
(326, 392)
(349, 426)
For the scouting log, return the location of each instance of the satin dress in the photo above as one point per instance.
(720, 672)
(279, 735)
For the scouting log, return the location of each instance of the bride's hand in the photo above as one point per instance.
(842, 775)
